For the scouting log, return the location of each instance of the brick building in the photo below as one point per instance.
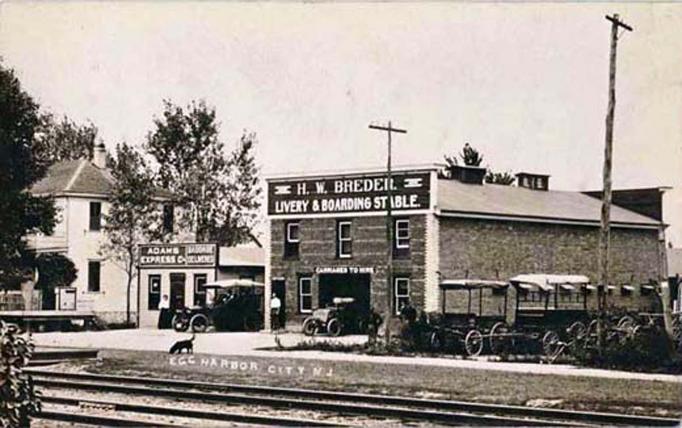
(328, 238)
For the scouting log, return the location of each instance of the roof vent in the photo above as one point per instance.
(532, 181)
(468, 174)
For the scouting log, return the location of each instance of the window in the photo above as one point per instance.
(305, 295)
(168, 218)
(402, 233)
(646, 290)
(154, 295)
(95, 215)
(199, 290)
(344, 239)
(626, 290)
(93, 276)
(401, 293)
(401, 238)
(291, 239)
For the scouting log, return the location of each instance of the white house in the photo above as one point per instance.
(80, 189)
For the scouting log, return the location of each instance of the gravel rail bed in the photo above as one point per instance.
(437, 411)
(93, 400)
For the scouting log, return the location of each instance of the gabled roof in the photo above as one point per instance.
(74, 176)
(80, 177)
(521, 203)
(242, 256)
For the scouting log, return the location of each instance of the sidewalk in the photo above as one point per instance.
(251, 344)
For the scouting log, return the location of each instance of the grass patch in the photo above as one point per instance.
(568, 392)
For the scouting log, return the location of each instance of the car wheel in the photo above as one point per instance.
(199, 323)
(309, 326)
(334, 327)
(250, 323)
(180, 323)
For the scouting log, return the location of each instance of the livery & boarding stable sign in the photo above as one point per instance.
(178, 255)
(333, 195)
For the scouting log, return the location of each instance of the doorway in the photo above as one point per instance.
(177, 291)
(280, 290)
(356, 286)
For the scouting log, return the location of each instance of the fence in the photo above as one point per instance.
(14, 300)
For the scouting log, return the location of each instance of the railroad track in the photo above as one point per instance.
(331, 402)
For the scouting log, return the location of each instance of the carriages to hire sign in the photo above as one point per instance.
(409, 191)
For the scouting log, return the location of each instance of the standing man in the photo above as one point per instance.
(275, 306)
(164, 312)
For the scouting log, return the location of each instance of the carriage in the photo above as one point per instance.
(237, 305)
(470, 309)
(527, 312)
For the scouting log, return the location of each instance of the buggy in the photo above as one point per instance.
(464, 323)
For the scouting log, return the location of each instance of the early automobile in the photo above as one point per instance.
(341, 317)
(237, 305)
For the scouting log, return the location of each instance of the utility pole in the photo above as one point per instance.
(604, 235)
(389, 229)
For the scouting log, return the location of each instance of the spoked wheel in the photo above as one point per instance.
(551, 343)
(334, 327)
(309, 327)
(473, 343)
(199, 323)
(436, 342)
(577, 330)
(499, 339)
(627, 322)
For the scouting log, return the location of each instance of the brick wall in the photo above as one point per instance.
(497, 249)
(317, 248)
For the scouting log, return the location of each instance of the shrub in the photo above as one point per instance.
(18, 399)
(649, 350)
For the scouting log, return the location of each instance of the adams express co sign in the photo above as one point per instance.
(409, 191)
(178, 255)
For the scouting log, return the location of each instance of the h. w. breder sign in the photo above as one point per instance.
(409, 191)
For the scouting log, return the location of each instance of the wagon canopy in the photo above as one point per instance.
(547, 282)
(460, 284)
(227, 283)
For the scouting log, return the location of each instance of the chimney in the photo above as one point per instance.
(532, 181)
(468, 174)
(99, 156)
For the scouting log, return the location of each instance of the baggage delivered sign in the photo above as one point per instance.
(409, 191)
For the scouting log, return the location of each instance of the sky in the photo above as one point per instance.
(524, 83)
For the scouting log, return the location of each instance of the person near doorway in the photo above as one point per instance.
(275, 307)
(164, 313)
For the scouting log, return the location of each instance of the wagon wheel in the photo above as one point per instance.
(334, 327)
(309, 326)
(551, 343)
(199, 323)
(473, 343)
(499, 342)
(627, 322)
(436, 342)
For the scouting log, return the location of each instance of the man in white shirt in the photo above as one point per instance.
(275, 306)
